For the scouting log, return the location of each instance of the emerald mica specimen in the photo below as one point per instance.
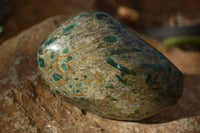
(97, 64)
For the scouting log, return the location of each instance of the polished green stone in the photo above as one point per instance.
(97, 64)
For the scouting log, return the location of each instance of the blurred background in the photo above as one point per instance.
(174, 22)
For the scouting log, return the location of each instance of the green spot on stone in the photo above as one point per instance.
(122, 75)
(40, 51)
(50, 41)
(70, 86)
(67, 59)
(78, 91)
(64, 92)
(101, 16)
(110, 39)
(121, 80)
(111, 27)
(112, 63)
(137, 50)
(57, 77)
(150, 66)
(120, 67)
(76, 79)
(130, 42)
(43, 42)
(113, 99)
(79, 85)
(41, 62)
(109, 22)
(85, 76)
(137, 111)
(132, 81)
(53, 56)
(55, 91)
(70, 27)
(64, 67)
(84, 98)
(124, 51)
(65, 51)
(53, 121)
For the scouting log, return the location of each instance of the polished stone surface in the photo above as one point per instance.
(95, 63)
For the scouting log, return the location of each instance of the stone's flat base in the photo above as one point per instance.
(27, 104)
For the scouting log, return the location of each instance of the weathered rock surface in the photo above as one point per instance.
(27, 104)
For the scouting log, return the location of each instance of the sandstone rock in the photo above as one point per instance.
(27, 104)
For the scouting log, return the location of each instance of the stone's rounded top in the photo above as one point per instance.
(95, 63)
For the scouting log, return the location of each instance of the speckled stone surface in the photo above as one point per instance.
(97, 64)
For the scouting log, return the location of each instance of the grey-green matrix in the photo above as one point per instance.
(97, 64)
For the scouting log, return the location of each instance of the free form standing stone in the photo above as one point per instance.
(95, 63)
